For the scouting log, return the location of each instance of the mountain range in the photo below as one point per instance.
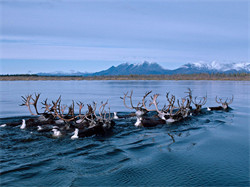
(147, 68)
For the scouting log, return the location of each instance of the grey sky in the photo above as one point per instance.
(63, 35)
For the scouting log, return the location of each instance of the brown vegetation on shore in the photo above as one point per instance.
(202, 76)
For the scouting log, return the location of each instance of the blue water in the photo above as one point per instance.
(206, 150)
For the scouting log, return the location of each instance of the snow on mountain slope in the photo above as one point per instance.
(147, 68)
(215, 66)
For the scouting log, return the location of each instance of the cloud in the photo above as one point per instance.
(134, 31)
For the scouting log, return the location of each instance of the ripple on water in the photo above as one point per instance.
(24, 167)
(166, 154)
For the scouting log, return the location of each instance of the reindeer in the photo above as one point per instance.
(166, 114)
(161, 113)
(184, 107)
(224, 104)
(97, 124)
(43, 118)
(198, 103)
(140, 111)
(70, 116)
(145, 120)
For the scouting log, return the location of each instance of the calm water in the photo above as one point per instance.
(206, 150)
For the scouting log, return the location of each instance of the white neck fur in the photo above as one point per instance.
(57, 133)
(115, 115)
(23, 126)
(170, 120)
(75, 136)
(138, 122)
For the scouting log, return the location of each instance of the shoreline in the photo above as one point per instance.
(213, 77)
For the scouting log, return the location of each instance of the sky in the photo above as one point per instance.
(92, 35)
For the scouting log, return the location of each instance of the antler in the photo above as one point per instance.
(47, 107)
(182, 105)
(165, 109)
(231, 100)
(202, 101)
(154, 102)
(94, 108)
(189, 93)
(91, 110)
(172, 100)
(71, 108)
(184, 108)
(101, 109)
(139, 105)
(56, 105)
(144, 102)
(59, 110)
(80, 105)
(225, 102)
(35, 102)
(124, 100)
(172, 107)
(219, 102)
(27, 102)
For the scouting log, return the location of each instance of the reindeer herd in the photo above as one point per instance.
(58, 119)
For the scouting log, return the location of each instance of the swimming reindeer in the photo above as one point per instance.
(62, 119)
(168, 114)
(43, 118)
(139, 110)
(224, 104)
(93, 124)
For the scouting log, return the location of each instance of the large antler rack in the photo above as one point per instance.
(184, 103)
(27, 102)
(166, 108)
(144, 101)
(47, 107)
(102, 111)
(59, 110)
(91, 111)
(225, 102)
(56, 107)
(189, 92)
(80, 105)
(202, 101)
(139, 105)
(184, 106)
(163, 112)
(171, 107)
(170, 101)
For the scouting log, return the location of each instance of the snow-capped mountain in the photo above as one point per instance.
(147, 68)
(218, 67)
(139, 69)
(155, 69)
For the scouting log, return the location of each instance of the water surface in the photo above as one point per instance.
(206, 150)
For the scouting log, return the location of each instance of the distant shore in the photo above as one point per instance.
(204, 76)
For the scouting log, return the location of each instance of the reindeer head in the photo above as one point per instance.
(225, 103)
(140, 111)
(198, 104)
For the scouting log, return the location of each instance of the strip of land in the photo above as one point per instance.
(203, 76)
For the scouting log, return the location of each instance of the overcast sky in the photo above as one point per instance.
(88, 36)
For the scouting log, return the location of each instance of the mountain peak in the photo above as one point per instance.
(147, 68)
(144, 68)
(218, 67)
